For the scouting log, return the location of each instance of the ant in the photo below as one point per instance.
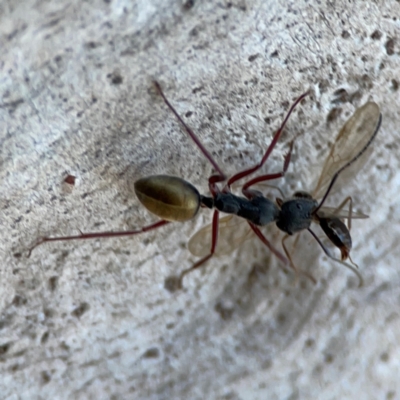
(174, 199)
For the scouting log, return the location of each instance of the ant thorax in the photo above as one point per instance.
(258, 210)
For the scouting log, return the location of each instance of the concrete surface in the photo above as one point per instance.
(92, 319)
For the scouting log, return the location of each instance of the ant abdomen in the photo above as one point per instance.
(169, 197)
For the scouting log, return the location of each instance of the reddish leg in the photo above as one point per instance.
(271, 146)
(212, 183)
(173, 283)
(93, 235)
(268, 177)
(191, 134)
(277, 253)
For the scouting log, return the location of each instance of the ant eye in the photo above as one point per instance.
(298, 205)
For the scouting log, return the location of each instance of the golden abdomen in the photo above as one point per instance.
(169, 197)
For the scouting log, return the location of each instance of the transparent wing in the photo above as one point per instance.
(351, 143)
(232, 232)
(331, 212)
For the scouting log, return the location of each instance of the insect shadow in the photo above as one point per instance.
(174, 199)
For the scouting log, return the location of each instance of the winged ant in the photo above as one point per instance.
(174, 199)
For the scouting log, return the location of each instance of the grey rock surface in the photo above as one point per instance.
(92, 319)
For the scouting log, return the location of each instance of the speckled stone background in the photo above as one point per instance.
(92, 319)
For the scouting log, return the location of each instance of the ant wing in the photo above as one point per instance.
(232, 232)
(352, 142)
(332, 212)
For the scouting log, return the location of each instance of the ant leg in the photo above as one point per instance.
(173, 283)
(268, 177)
(288, 254)
(191, 134)
(212, 184)
(277, 253)
(296, 240)
(271, 146)
(298, 271)
(92, 235)
(359, 276)
(249, 193)
(342, 204)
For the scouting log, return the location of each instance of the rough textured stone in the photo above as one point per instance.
(91, 319)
